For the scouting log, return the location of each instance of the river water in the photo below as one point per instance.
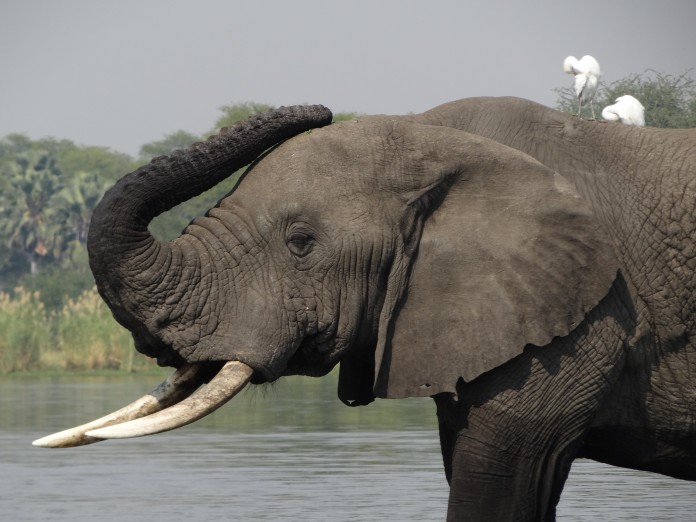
(287, 452)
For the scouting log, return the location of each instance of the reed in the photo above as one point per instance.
(82, 335)
(24, 331)
(89, 338)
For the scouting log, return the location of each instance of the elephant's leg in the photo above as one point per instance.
(517, 479)
(510, 437)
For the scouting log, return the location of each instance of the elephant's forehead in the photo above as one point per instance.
(300, 182)
(335, 163)
(292, 180)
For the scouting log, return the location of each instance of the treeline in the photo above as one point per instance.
(48, 190)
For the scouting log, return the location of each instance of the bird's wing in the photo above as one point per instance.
(589, 65)
(580, 84)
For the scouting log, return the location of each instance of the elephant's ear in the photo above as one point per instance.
(499, 252)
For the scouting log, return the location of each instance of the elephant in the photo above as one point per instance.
(530, 271)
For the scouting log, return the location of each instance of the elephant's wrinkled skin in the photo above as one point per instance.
(530, 270)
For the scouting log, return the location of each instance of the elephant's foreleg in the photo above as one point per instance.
(490, 482)
(509, 438)
(497, 473)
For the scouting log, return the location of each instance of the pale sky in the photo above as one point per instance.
(125, 73)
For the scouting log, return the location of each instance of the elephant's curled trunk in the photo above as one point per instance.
(128, 263)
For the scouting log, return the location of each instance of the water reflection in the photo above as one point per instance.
(290, 452)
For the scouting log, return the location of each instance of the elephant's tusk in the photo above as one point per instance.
(226, 384)
(179, 385)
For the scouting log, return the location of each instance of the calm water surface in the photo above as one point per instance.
(291, 452)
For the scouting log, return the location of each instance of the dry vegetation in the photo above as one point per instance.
(82, 335)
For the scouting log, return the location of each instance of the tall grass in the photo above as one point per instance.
(24, 331)
(81, 336)
(89, 338)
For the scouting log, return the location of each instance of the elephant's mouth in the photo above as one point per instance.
(317, 354)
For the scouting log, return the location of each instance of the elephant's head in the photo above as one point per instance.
(415, 255)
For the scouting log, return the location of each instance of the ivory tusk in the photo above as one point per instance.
(233, 376)
(179, 385)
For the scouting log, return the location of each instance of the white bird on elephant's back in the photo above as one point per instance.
(586, 72)
(627, 109)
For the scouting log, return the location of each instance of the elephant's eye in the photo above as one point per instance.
(300, 243)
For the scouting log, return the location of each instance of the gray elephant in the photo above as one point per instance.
(531, 271)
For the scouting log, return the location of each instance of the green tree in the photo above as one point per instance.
(240, 111)
(108, 165)
(48, 190)
(237, 112)
(73, 205)
(171, 142)
(87, 172)
(669, 101)
(28, 223)
(14, 144)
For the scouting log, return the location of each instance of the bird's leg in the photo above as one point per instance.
(592, 108)
(580, 105)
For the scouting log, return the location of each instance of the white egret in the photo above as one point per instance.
(627, 110)
(586, 72)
